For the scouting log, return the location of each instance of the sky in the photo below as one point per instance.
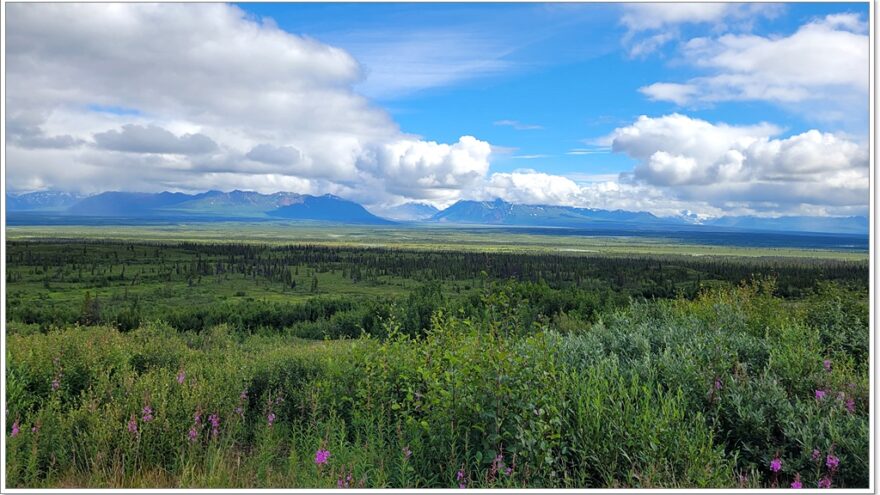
(678, 109)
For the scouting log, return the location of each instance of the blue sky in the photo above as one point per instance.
(705, 109)
(563, 68)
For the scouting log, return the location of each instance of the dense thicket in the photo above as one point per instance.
(58, 283)
(132, 364)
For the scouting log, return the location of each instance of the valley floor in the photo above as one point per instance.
(296, 360)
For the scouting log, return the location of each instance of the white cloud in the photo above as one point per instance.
(722, 164)
(652, 25)
(519, 126)
(180, 95)
(402, 61)
(646, 16)
(530, 187)
(153, 139)
(825, 61)
(429, 170)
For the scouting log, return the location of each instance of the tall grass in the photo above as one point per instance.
(714, 392)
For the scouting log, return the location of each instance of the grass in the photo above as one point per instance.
(430, 238)
(681, 393)
(550, 368)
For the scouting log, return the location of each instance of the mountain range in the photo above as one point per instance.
(249, 205)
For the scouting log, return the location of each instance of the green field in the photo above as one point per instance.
(213, 356)
(431, 238)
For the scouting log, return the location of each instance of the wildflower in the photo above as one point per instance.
(851, 405)
(243, 395)
(816, 455)
(832, 462)
(508, 471)
(718, 384)
(825, 482)
(15, 429)
(181, 376)
(132, 424)
(827, 364)
(56, 384)
(238, 410)
(497, 464)
(214, 419)
(270, 418)
(197, 417)
(797, 481)
(776, 464)
(35, 428)
(407, 453)
(193, 434)
(820, 394)
(321, 456)
(147, 414)
(462, 482)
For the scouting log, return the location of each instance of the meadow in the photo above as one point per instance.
(143, 358)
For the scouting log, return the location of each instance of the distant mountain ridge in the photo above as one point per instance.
(211, 205)
(249, 205)
(42, 201)
(409, 212)
(499, 212)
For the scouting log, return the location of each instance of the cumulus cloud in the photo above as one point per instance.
(426, 169)
(209, 93)
(825, 60)
(153, 139)
(275, 155)
(723, 164)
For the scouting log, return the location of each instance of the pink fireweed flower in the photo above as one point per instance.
(820, 394)
(35, 428)
(718, 384)
(508, 471)
(15, 429)
(238, 410)
(147, 414)
(816, 455)
(832, 462)
(214, 419)
(321, 456)
(776, 465)
(407, 453)
(850, 405)
(825, 482)
(797, 481)
(346, 482)
(181, 377)
(197, 417)
(56, 384)
(193, 434)
(462, 481)
(132, 424)
(827, 364)
(270, 418)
